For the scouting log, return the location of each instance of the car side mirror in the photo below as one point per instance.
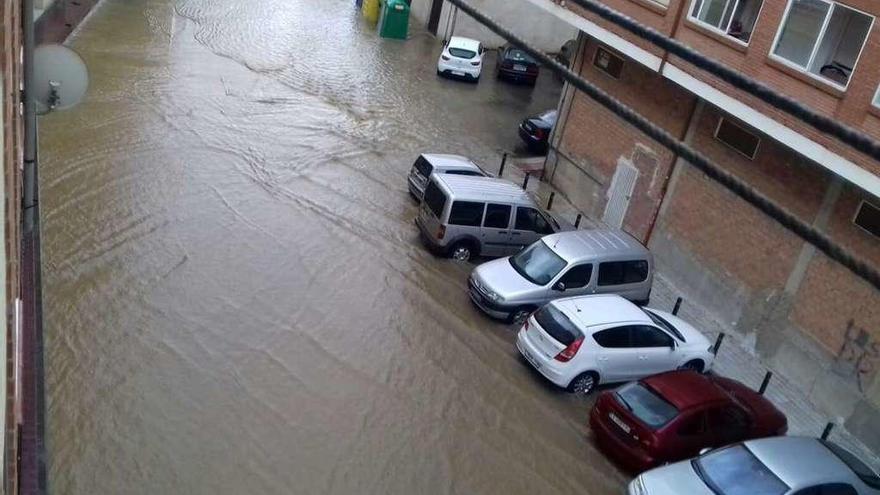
(560, 286)
(705, 451)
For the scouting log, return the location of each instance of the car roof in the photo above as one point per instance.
(443, 161)
(578, 244)
(686, 389)
(800, 461)
(466, 43)
(473, 188)
(594, 310)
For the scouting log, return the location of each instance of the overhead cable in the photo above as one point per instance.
(788, 220)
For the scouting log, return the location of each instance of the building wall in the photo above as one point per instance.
(540, 29)
(10, 77)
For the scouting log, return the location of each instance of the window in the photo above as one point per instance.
(497, 216)
(423, 166)
(623, 272)
(877, 98)
(462, 53)
(577, 276)
(530, 219)
(868, 218)
(729, 423)
(738, 138)
(734, 18)
(608, 62)
(735, 470)
(660, 322)
(645, 404)
(823, 38)
(645, 336)
(829, 489)
(557, 325)
(866, 474)
(466, 213)
(435, 199)
(694, 425)
(613, 338)
(537, 263)
(470, 173)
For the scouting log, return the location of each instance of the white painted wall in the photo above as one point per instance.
(540, 28)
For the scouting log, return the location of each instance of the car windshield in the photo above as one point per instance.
(866, 474)
(736, 471)
(664, 324)
(520, 56)
(646, 405)
(462, 53)
(549, 116)
(538, 263)
(557, 325)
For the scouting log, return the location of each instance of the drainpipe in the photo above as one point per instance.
(30, 120)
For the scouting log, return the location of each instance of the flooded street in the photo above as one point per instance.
(236, 297)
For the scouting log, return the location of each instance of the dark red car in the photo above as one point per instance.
(672, 416)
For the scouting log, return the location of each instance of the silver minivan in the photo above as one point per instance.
(463, 217)
(432, 163)
(566, 264)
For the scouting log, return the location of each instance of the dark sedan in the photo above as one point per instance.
(535, 131)
(516, 65)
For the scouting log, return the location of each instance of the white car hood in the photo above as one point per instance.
(674, 479)
(499, 277)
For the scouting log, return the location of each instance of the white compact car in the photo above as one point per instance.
(579, 342)
(461, 57)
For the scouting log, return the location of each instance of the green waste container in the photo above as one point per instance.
(393, 19)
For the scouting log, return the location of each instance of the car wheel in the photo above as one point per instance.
(463, 251)
(584, 383)
(519, 315)
(694, 364)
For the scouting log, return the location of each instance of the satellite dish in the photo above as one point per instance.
(60, 77)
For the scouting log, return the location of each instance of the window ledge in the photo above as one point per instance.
(812, 80)
(717, 36)
(652, 6)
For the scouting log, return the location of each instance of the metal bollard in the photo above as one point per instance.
(550, 201)
(526, 180)
(503, 161)
(577, 221)
(827, 431)
(718, 343)
(677, 306)
(766, 382)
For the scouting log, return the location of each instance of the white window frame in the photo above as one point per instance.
(613, 54)
(806, 70)
(856, 215)
(721, 120)
(876, 100)
(696, 20)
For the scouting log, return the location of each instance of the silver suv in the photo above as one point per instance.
(566, 264)
(463, 217)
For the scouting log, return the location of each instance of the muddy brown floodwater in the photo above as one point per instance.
(236, 297)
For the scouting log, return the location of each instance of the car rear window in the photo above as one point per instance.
(557, 325)
(423, 166)
(735, 470)
(645, 404)
(462, 53)
(435, 199)
(521, 56)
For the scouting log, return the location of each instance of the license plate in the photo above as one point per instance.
(457, 73)
(619, 422)
(519, 67)
(530, 359)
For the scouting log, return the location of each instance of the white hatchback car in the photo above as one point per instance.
(461, 57)
(579, 342)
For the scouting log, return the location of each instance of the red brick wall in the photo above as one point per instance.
(598, 138)
(852, 107)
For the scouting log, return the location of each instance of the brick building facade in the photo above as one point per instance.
(11, 138)
(809, 317)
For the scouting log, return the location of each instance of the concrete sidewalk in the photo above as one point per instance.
(734, 358)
